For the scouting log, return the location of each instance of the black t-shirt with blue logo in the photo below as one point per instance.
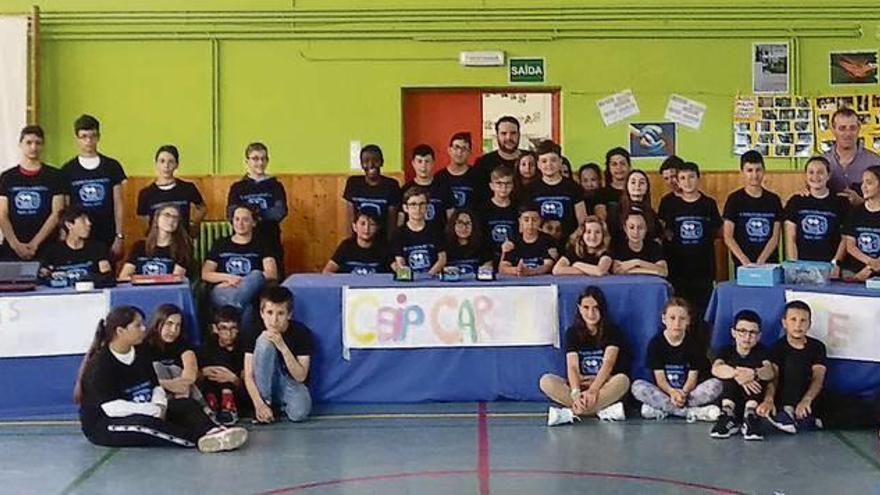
(864, 227)
(93, 191)
(440, 200)
(238, 259)
(351, 258)
(468, 258)
(676, 361)
(694, 225)
(160, 263)
(532, 254)
(651, 252)
(418, 248)
(556, 202)
(500, 223)
(591, 355)
(465, 189)
(818, 222)
(753, 220)
(182, 195)
(78, 264)
(375, 199)
(30, 198)
(265, 195)
(107, 379)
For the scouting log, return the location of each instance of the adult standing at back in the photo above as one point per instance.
(848, 159)
(508, 152)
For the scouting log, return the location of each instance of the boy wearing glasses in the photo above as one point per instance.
(416, 245)
(499, 214)
(463, 180)
(746, 373)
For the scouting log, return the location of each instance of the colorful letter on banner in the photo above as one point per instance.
(846, 324)
(415, 317)
(50, 325)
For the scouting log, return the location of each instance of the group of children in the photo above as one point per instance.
(747, 389)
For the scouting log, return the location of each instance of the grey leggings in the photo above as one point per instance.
(650, 394)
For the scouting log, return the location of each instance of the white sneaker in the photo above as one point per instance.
(560, 416)
(221, 439)
(649, 412)
(614, 412)
(704, 413)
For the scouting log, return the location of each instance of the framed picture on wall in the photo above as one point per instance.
(652, 140)
(770, 67)
(850, 68)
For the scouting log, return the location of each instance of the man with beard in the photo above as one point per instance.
(508, 152)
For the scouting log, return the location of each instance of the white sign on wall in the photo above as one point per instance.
(13, 86)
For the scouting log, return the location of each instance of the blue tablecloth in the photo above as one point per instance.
(844, 375)
(460, 373)
(36, 386)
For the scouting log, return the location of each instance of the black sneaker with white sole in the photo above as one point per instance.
(751, 428)
(724, 427)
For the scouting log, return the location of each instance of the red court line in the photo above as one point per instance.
(482, 449)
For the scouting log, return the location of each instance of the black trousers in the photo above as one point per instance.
(184, 424)
(733, 392)
(698, 292)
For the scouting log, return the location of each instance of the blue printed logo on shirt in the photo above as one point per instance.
(591, 361)
(815, 225)
(27, 201)
(258, 201)
(357, 268)
(371, 207)
(691, 230)
(140, 393)
(758, 227)
(552, 209)
(869, 243)
(238, 265)
(419, 259)
(430, 212)
(501, 232)
(676, 375)
(92, 193)
(153, 268)
(460, 197)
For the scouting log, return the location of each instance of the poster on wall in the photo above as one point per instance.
(685, 111)
(775, 126)
(770, 68)
(618, 107)
(651, 140)
(853, 68)
(13, 86)
(866, 106)
(533, 110)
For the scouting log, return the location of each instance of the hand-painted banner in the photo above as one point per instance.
(50, 325)
(449, 317)
(846, 324)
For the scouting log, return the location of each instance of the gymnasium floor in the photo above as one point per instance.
(467, 448)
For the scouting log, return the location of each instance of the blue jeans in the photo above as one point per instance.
(241, 297)
(275, 384)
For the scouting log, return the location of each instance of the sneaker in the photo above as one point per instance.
(724, 427)
(614, 412)
(560, 416)
(221, 439)
(649, 412)
(751, 428)
(228, 414)
(704, 413)
(783, 422)
(810, 423)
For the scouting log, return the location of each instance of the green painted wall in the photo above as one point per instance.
(307, 81)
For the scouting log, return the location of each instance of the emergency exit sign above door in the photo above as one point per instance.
(526, 70)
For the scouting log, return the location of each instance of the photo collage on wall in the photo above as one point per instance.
(866, 106)
(775, 126)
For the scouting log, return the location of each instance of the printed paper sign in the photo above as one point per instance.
(847, 325)
(684, 111)
(618, 107)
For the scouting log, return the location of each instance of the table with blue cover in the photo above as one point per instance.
(459, 373)
(845, 376)
(43, 385)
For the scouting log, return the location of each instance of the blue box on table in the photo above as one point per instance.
(872, 283)
(807, 272)
(759, 275)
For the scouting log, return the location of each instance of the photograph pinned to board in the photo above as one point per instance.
(685, 111)
(775, 126)
(770, 68)
(652, 140)
(618, 107)
(533, 110)
(853, 67)
(867, 107)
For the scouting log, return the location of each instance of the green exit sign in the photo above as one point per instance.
(526, 70)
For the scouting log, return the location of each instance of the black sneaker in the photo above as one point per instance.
(751, 428)
(724, 427)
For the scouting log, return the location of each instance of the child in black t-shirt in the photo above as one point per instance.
(669, 170)
(94, 182)
(587, 251)
(595, 379)
(373, 191)
(747, 374)
(636, 196)
(525, 173)
(677, 360)
(123, 405)
(31, 198)
(557, 198)
(362, 253)
(77, 257)
(174, 360)
(463, 180)
(465, 248)
(167, 250)
(813, 221)
(222, 362)
(590, 180)
(861, 233)
(617, 168)
(440, 199)
(416, 245)
(266, 194)
(637, 255)
(499, 214)
(691, 222)
(532, 252)
(277, 360)
(752, 216)
(169, 189)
